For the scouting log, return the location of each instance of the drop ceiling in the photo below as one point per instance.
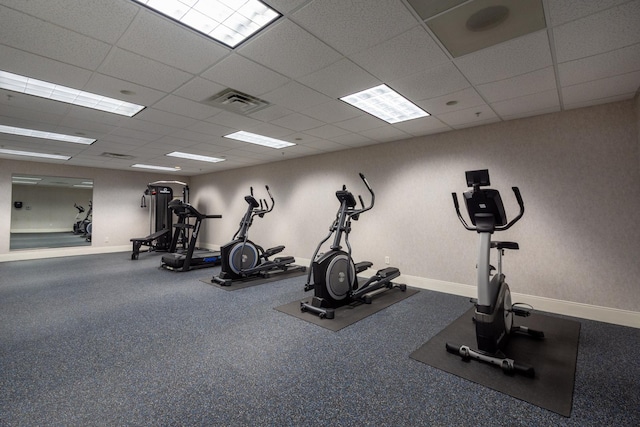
(587, 53)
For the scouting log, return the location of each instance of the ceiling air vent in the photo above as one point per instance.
(117, 156)
(236, 101)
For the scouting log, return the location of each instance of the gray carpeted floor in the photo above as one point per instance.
(102, 340)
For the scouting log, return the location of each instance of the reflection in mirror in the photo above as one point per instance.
(50, 212)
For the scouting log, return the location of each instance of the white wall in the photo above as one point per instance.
(577, 171)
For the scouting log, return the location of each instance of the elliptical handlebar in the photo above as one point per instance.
(373, 198)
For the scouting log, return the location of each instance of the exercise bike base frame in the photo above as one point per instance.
(508, 366)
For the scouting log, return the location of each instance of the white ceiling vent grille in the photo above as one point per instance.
(236, 101)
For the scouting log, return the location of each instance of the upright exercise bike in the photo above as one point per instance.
(335, 282)
(494, 311)
(243, 260)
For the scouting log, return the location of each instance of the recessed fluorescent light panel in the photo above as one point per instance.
(27, 178)
(386, 104)
(23, 182)
(259, 139)
(229, 22)
(22, 84)
(32, 154)
(46, 135)
(195, 157)
(160, 168)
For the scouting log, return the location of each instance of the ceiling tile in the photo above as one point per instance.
(431, 83)
(608, 64)
(273, 131)
(41, 68)
(324, 145)
(561, 11)
(332, 111)
(103, 20)
(422, 126)
(465, 98)
(289, 50)
(272, 112)
(385, 134)
(112, 87)
(199, 89)
(478, 114)
(245, 75)
(21, 106)
(361, 123)
(352, 26)
(508, 59)
(285, 6)
(298, 122)
(406, 54)
(185, 107)
(232, 120)
(326, 131)
(528, 105)
(608, 30)
(353, 140)
(166, 118)
(295, 97)
(524, 84)
(211, 129)
(172, 44)
(31, 34)
(340, 79)
(126, 66)
(626, 84)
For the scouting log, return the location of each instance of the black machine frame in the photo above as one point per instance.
(191, 257)
(243, 260)
(160, 194)
(333, 274)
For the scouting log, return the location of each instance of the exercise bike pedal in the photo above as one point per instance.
(521, 312)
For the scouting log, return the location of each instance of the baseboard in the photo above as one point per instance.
(567, 308)
(23, 255)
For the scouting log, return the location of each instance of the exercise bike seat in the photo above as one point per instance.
(505, 245)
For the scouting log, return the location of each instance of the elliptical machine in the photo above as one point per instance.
(77, 222)
(243, 260)
(335, 281)
(494, 311)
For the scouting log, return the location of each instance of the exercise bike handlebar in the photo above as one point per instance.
(516, 191)
(457, 206)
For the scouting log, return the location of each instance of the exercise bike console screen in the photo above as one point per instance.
(478, 178)
(484, 205)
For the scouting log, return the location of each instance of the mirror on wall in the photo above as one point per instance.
(50, 211)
